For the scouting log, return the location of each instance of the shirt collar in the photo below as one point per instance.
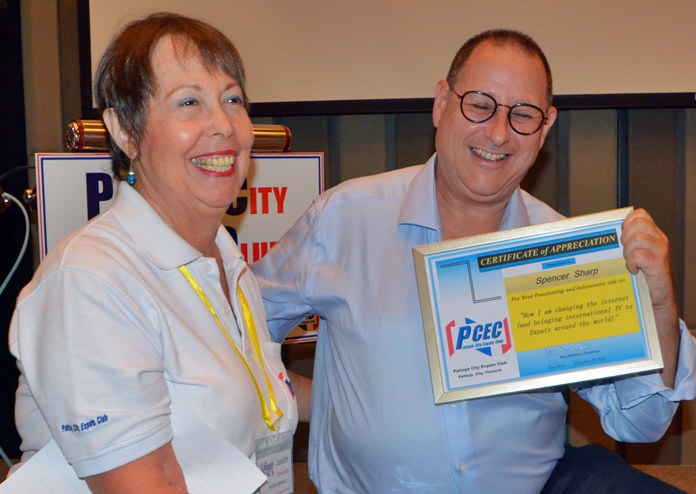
(516, 214)
(158, 241)
(420, 203)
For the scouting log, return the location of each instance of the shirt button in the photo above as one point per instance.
(461, 466)
(207, 267)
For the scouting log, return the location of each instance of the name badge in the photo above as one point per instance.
(274, 459)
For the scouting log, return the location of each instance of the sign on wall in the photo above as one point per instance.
(72, 188)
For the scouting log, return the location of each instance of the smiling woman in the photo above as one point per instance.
(192, 154)
(150, 309)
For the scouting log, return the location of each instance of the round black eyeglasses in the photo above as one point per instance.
(479, 107)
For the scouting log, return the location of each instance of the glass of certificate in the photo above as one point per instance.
(534, 307)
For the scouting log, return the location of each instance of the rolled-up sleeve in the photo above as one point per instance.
(640, 408)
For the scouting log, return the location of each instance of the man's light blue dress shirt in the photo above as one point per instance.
(374, 426)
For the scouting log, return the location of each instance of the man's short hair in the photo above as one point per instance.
(501, 37)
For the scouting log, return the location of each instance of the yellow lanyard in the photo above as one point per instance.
(253, 337)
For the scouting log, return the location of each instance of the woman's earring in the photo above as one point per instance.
(131, 178)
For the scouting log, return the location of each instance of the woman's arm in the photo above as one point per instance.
(155, 473)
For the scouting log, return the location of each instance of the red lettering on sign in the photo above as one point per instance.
(258, 250)
(260, 199)
(279, 193)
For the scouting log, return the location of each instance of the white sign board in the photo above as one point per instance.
(72, 188)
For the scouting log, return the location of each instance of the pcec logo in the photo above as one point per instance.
(481, 336)
(267, 468)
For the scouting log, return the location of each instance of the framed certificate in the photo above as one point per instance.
(533, 307)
